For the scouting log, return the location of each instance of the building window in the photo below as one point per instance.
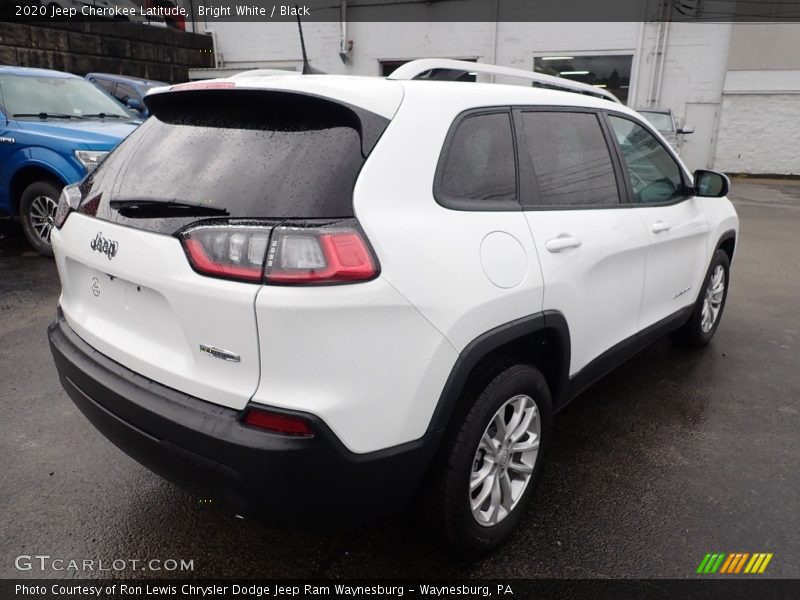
(611, 72)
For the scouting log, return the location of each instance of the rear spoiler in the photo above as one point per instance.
(203, 98)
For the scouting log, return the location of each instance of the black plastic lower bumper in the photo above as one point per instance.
(306, 481)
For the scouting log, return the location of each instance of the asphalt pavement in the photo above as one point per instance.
(675, 454)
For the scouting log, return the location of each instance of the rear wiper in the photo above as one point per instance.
(105, 116)
(47, 115)
(164, 208)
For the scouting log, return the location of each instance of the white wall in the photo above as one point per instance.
(695, 64)
(759, 133)
(693, 71)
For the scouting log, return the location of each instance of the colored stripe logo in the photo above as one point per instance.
(734, 563)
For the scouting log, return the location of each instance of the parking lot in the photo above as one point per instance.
(675, 454)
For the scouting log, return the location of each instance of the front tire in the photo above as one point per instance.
(37, 211)
(491, 460)
(707, 313)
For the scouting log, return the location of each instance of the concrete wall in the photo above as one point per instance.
(702, 64)
(694, 64)
(759, 134)
(111, 47)
(759, 128)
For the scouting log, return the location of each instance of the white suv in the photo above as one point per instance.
(310, 297)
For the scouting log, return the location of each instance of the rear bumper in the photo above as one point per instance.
(203, 447)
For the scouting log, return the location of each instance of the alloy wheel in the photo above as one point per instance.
(712, 302)
(504, 460)
(42, 216)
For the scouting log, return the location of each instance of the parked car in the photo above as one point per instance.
(351, 291)
(129, 91)
(54, 128)
(664, 121)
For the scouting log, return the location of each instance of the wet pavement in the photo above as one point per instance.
(675, 454)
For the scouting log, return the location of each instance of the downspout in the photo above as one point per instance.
(212, 33)
(343, 30)
(493, 60)
(633, 94)
(662, 62)
(660, 51)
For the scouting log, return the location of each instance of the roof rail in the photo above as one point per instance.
(415, 68)
(264, 73)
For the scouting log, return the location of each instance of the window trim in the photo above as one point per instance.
(631, 199)
(463, 204)
(533, 186)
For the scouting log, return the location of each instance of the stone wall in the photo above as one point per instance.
(123, 48)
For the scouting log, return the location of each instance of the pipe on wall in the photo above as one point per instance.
(344, 47)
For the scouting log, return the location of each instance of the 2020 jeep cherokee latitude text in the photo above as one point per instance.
(310, 297)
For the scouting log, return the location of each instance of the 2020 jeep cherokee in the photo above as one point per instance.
(307, 296)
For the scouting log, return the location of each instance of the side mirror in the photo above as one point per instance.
(133, 103)
(686, 130)
(711, 184)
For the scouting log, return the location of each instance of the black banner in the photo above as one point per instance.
(414, 10)
(653, 589)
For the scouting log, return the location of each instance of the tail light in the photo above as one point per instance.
(227, 251)
(284, 255)
(68, 201)
(277, 423)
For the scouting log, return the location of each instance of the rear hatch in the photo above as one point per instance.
(230, 164)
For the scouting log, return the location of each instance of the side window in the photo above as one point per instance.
(124, 92)
(654, 174)
(105, 84)
(571, 159)
(479, 169)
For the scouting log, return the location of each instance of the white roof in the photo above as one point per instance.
(384, 96)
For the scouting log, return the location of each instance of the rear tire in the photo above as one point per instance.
(37, 211)
(707, 313)
(487, 471)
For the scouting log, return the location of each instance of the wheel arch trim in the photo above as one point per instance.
(730, 234)
(19, 177)
(484, 345)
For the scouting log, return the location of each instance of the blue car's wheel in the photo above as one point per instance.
(37, 210)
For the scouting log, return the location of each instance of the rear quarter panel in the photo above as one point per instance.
(431, 257)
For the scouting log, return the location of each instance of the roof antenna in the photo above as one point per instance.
(307, 68)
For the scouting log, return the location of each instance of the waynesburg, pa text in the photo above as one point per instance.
(250, 590)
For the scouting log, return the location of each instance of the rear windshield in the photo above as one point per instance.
(252, 154)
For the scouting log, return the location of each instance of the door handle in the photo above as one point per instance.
(660, 227)
(562, 242)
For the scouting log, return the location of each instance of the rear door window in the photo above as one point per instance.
(571, 159)
(478, 168)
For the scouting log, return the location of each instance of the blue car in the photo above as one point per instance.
(129, 91)
(54, 129)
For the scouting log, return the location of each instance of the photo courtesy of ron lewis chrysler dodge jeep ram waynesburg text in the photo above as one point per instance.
(351, 292)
